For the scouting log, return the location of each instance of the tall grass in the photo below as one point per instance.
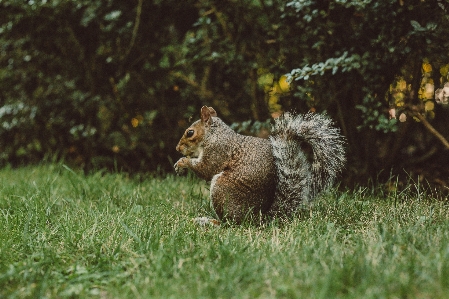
(63, 234)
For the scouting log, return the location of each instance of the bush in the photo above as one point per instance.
(90, 81)
(113, 84)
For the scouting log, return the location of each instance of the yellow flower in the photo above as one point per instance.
(428, 91)
(115, 149)
(429, 106)
(444, 70)
(283, 84)
(402, 85)
(427, 68)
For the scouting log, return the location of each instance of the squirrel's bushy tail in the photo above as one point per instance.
(309, 153)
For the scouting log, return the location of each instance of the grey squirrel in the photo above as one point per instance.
(273, 177)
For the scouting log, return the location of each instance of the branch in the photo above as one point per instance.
(135, 29)
(204, 93)
(416, 109)
(431, 128)
(223, 23)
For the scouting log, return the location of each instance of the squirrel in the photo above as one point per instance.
(273, 177)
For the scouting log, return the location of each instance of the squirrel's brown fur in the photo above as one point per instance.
(251, 175)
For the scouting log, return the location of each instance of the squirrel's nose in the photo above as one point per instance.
(178, 148)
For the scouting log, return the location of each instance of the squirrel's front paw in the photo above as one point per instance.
(181, 166)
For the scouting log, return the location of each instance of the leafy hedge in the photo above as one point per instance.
(89, 81)
(114, 83)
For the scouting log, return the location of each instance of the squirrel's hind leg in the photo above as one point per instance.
(229, 203)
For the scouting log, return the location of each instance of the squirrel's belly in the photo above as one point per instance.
(213, 182)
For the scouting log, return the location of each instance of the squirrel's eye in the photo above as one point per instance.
(190, 133)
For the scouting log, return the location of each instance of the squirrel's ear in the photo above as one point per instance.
(207, 113)
(212, 112)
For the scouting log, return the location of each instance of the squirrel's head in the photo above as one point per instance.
(190, 144)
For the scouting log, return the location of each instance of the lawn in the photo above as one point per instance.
(64, 234)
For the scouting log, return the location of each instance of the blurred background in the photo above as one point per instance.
(111, 84)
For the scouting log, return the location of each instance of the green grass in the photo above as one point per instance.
(63, 234)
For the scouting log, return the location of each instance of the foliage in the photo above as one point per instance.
(67, 235)
(351, 54)
(113, 84)
(89, 80)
